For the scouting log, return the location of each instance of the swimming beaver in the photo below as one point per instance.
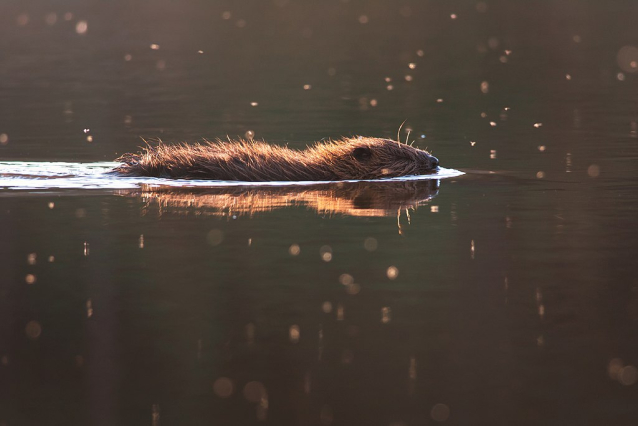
(346, 159)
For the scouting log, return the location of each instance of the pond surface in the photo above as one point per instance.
(507, 295)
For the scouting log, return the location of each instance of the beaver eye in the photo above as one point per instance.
(362, 153)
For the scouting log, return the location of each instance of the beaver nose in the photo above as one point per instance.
(434, 162)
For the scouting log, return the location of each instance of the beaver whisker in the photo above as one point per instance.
(399, 131)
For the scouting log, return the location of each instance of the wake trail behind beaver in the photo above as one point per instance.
(31, 175)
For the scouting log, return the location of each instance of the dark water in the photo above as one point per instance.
(504, 298)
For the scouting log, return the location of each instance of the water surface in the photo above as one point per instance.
(506, 295)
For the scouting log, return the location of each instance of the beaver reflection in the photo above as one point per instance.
(349, 198)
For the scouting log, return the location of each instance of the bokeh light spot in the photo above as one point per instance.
(294, 333)
(81, 27)
(215, 237)
(294, 250)
(326, 253)
(223, 387)
(254, 391)
(440, 412)
(353, 289)
(628, 375)
(346, 279)
(392, 272)
(22, 19)
(51, 18)
(386, 315)
(33, 330)
(370, 244)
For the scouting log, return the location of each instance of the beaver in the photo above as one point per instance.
(358, 158)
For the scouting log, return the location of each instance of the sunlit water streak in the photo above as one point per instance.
(58, 175)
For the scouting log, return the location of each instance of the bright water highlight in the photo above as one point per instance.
(61, 175)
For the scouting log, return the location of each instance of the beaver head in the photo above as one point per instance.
(375, 158)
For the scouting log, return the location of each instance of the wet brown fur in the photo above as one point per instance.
(248, 160)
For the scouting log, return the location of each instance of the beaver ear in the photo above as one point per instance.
(362, 153)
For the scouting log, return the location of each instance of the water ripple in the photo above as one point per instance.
(61, 175)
